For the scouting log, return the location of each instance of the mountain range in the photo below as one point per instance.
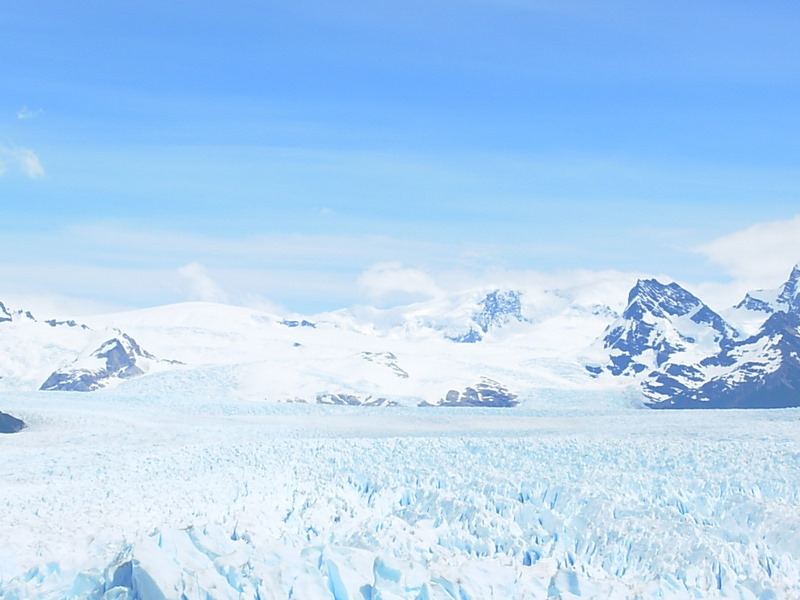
(495, 347)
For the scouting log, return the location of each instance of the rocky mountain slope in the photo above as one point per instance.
(687, 356)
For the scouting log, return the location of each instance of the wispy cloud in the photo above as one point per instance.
(26, 113)
(200, 284)
(21, 159)
(393, 284)
(760, 256)
(119, 264)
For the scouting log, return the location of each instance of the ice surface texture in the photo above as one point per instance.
(106, 497)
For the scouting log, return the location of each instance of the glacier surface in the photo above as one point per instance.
(573, 494)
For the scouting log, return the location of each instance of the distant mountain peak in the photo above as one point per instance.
(660, 321)
(117, 358)
(8, 315)
(789, 291)
(498, 308)
(785, 298)
(659, 299)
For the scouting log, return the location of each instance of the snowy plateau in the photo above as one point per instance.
(497, 443)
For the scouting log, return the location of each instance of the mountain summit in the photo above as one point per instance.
(786, 298)
(659, 322)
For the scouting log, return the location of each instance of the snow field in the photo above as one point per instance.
(106, 497)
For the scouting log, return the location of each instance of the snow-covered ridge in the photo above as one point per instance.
(665, 341)
(408, 355)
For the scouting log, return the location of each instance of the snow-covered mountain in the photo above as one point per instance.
(558, 495)
(66, 355)
(660, 324)
(496, 309)
(687, 356)
(762, 371)
(116, 359)
(485, 347)
(786, 298)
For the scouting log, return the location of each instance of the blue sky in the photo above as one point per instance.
(278, 150)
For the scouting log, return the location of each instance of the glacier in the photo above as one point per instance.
(573, 494)
(221, 452)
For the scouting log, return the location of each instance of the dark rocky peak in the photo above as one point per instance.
(114, 359)
(120, 353)
(660, 300)
(67, 323)
(650, 296)
(785, 298)
(660, 322)
(789, 295)
(470, 337)
(498, 308)
(7, 314)
(750, 302)
(486, 393)
(301, 323)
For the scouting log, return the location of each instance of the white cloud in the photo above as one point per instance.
(25, 113)
(391, 284)
(29, 163)
(760, 255)
(200, 284)
(21, 158)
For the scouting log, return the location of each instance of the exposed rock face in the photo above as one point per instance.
(686, 356)
(302, 323)
(9, 424)
(785, 299)
(763, 371)
(487, 393)
(69, 323)
(497, 308)
(388, 360)
(117, 358)
(660, 322)
(353, 400)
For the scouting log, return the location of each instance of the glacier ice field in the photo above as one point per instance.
(106, 497)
